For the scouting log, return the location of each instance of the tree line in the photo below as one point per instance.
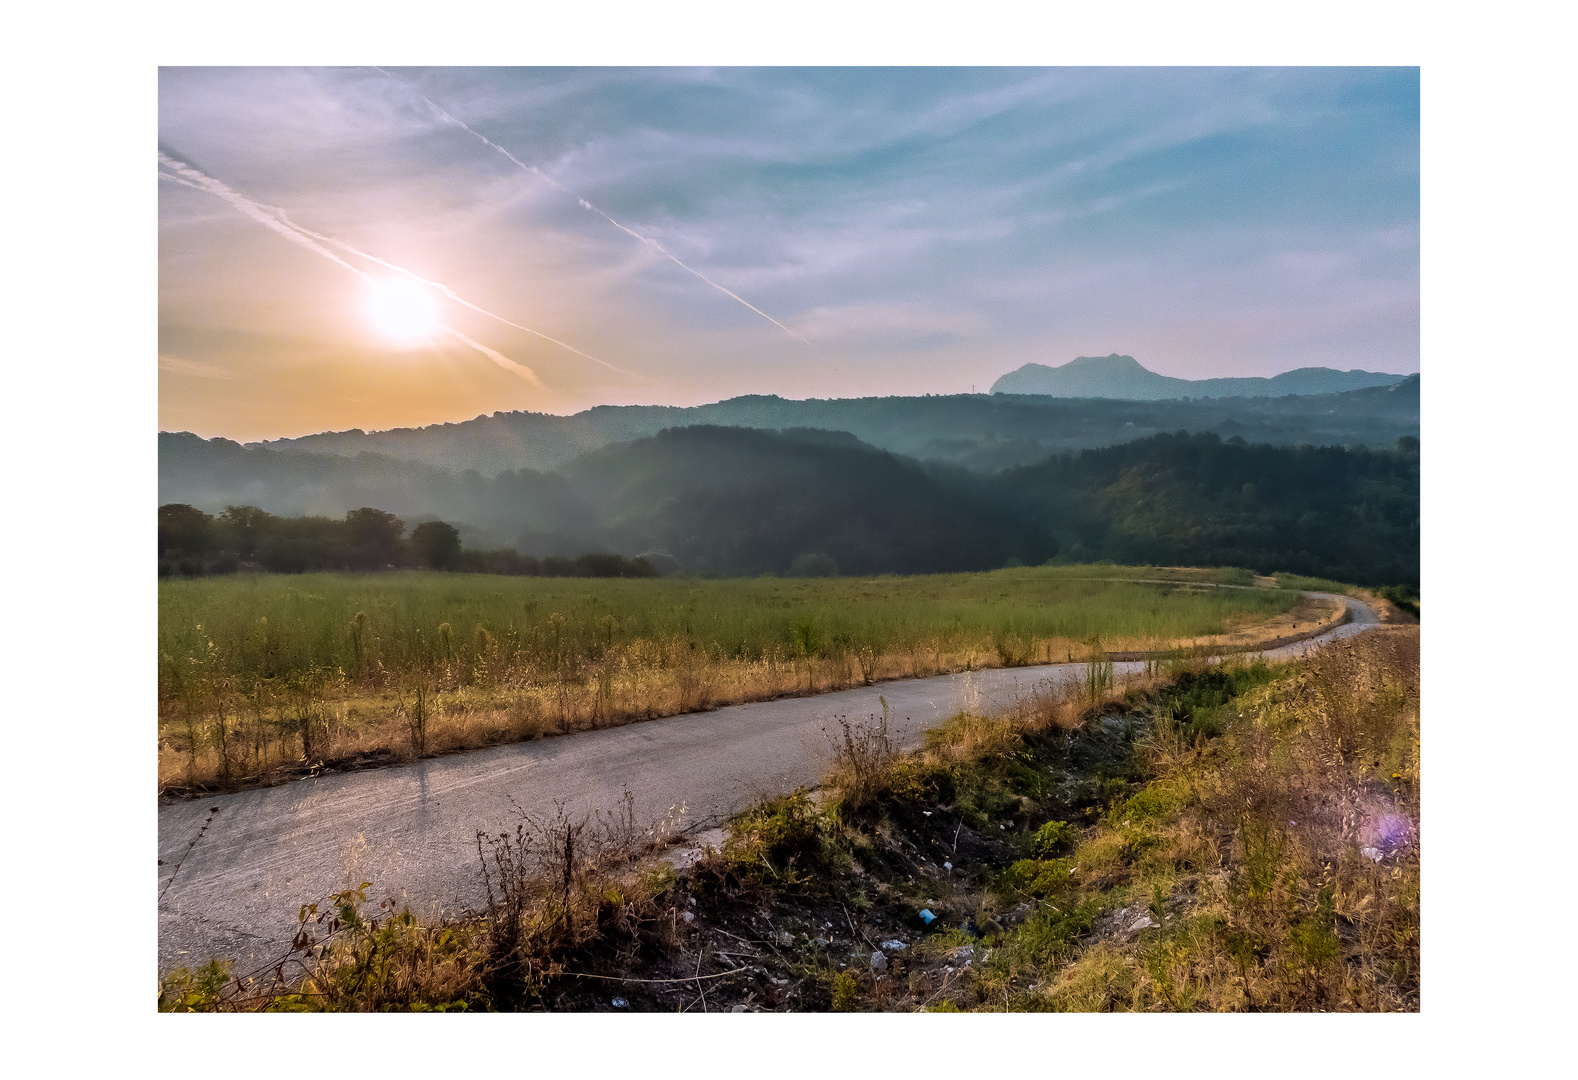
(741, 502)
(193, 544)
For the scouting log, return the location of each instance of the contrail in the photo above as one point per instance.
(277, 220)
(535, 171)
(194, 178)
(500, 359)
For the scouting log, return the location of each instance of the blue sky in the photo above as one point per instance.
(899, 231)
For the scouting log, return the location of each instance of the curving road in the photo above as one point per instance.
(410, 830)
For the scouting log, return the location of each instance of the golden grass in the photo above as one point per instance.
(261, 681)
(1286, 856)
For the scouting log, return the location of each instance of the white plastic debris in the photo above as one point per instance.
(1373, 854)
(893, 946)
(738, 1008)
(689, 916)
(1142, 923)
(926, 812)
(879, 962)
(947, 866)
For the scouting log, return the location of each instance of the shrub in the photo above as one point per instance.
(844, 991)
(1051, 836)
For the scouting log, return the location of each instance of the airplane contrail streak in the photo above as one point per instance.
(456, 297)
(535, 171)
(195, 178)
(500, 359)
(278, 221)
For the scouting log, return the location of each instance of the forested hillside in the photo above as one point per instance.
(737, 501)
(1352, 515)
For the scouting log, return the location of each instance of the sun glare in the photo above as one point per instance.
(402, 310)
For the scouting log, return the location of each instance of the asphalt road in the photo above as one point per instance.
(411, 830)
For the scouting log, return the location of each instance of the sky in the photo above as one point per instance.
(373, 248)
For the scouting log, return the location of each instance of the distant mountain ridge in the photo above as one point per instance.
(979, 432)
(1125, 378)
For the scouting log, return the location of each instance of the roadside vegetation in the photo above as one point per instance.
(263, 678)
(1394, 603)
(1204, 837)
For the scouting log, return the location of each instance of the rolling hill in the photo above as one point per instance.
(982, 433)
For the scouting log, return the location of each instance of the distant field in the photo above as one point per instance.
(261, 676)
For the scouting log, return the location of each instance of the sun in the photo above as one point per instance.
(402, 310)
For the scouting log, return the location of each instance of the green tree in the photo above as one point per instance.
(241, 527)
(377, 538)
(183, 530)
(436, 544)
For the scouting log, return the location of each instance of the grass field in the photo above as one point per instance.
(1222, 837)
(262, 677)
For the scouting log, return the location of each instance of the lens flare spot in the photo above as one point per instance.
(403, 310)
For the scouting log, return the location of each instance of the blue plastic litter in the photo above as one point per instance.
(926, 916)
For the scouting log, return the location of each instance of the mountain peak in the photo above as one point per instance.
(1111, 362)
(1123, 377)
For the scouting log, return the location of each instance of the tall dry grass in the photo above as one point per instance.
(1280, 863)
(263, 678)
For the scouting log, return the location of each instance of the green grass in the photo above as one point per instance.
(262, 677)
(273, 626)
(1312, 584)
(1102, 868)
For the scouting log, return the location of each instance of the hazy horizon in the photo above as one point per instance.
(678, 236)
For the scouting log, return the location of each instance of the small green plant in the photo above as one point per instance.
(1098, 672)
(1158, 905)
(416, 713)
(844, 992)
(358, 638)
(1263, 845)
(806, 636)
(184, 990)
(1313, 940)
(1052, 836)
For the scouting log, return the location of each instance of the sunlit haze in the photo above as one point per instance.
(403, 310)
(367, 248)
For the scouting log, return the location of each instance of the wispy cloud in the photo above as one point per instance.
(587, 205)
(923, 228)
(176, 365)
